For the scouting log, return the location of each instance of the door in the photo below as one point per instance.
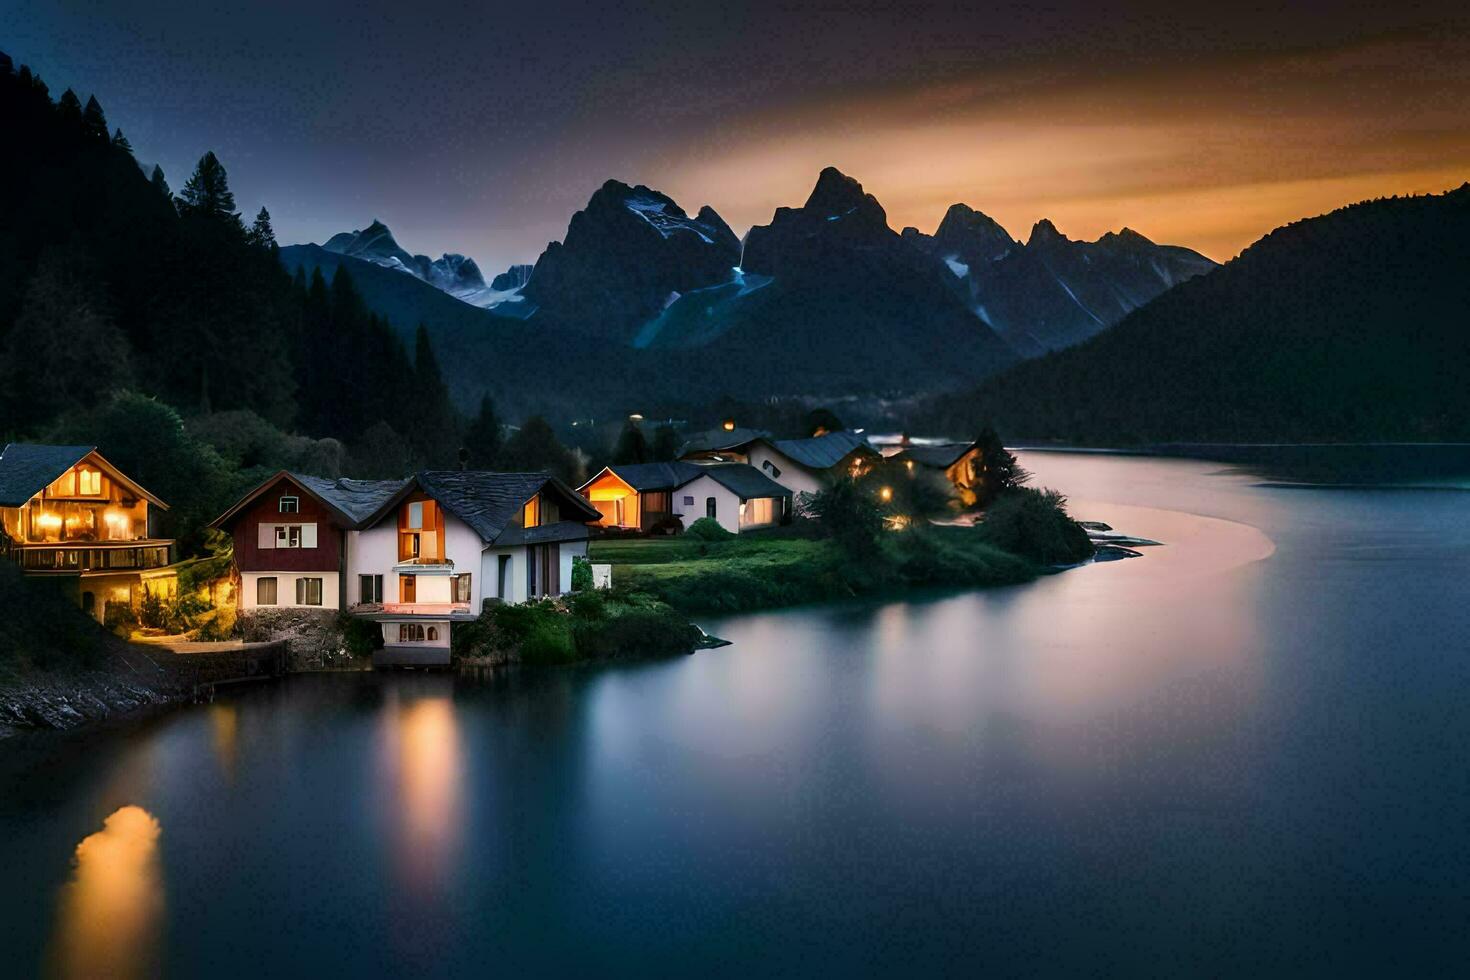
(407, 588)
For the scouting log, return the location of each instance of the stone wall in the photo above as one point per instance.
(313, 636)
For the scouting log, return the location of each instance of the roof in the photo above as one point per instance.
(651, 476)
(28, 468)
(357, 499)
(822, 452)
(489, 502)
(352, 501)
(942, 456)
(741, 479)
(715, 440)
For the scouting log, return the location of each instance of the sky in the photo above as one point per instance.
(480, 127)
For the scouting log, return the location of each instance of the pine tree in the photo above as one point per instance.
(436, 438)
(665, 444)
(995, 468)
(482, 439)
(207, 192)
(94, 122)
(631, 446)
(261, 233)
(535, 447)
(120, 142)
(70, 107)
(161, 185)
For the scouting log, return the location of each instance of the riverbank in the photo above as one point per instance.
(791, 566)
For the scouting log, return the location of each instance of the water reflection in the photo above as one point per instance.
(224, 724)
(423, 769)
(109, 919)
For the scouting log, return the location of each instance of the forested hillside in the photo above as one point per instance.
(1353, 326)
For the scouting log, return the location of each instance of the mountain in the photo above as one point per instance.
(1052, 292)
(628, 255)
(451, 273)
(1350, 326)
(827, 298)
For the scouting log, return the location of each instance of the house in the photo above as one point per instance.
(292, 534)
(956, 460)
(637, 496)
(643, 495)
(446, 541)
(66, 512)
(800, 465)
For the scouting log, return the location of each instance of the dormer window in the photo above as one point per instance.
(531, 517)
(89, 482)
(290, 505)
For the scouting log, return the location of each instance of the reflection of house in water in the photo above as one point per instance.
(66, 512)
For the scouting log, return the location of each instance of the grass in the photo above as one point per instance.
(761, 571)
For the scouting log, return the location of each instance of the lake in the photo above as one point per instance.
(1246, 751)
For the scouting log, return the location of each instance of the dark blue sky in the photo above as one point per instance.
(480, 127)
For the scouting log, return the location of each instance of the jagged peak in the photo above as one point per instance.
(1044, 232)
(962, 218)
(836, 193)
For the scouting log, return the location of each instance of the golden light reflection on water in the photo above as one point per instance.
(224, 721)
(423, 761)
(111, 910)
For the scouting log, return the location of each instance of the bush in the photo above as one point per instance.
(360, 636)
(1034, 524)
(850, 513)
(709, 529)
(581, 574)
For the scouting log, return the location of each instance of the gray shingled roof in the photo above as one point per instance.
(942, 456)
(715, 440)
(489, 502)
(741, 479)
(356, 499)
(822, 452)
(655, 476)
(26, 469)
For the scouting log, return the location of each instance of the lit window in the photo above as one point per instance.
(290, 505)
(532, 515)
(89, 483)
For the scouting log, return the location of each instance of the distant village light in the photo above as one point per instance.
(635, 417)
(728, 425)
(886, 494)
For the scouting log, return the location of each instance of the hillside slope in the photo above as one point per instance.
(1352, 326)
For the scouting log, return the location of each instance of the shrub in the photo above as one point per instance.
(360, 636)
(581, 574)
(709, 529)
(850, 513)
(1034, 524)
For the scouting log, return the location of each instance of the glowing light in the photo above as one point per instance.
(111, 910)
(910, 464)
(728, 425)
(49, 521)
(635, 417)
(885, 494)
(742, 510)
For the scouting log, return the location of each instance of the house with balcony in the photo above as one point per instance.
(645, 496)
(449, 540)
(66, 512)
(292, 534)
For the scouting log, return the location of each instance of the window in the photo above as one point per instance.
(709, 506)
(771, 468)
(265, 591)
(688, 501)
(433, 633)
(503, 577)
(308, 592)
(288, 535)
(370, 588)
(410, 633)
(416, 514)
(290, 505)
(89, 483)
(531, 516)
(460, 585)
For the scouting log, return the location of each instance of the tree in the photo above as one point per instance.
(161, 185)
(70, 107)
(995, 468)
(665, 446)
(850, 513)
(207, 192)
(482, 439)
(822, 421)
(535, 447)
(94, 122)
(63, 350)
(381, 454)
(120, 142)
(436, 433)
(261, 234)
(631, 446)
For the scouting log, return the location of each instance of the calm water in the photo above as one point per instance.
(1243, 752)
